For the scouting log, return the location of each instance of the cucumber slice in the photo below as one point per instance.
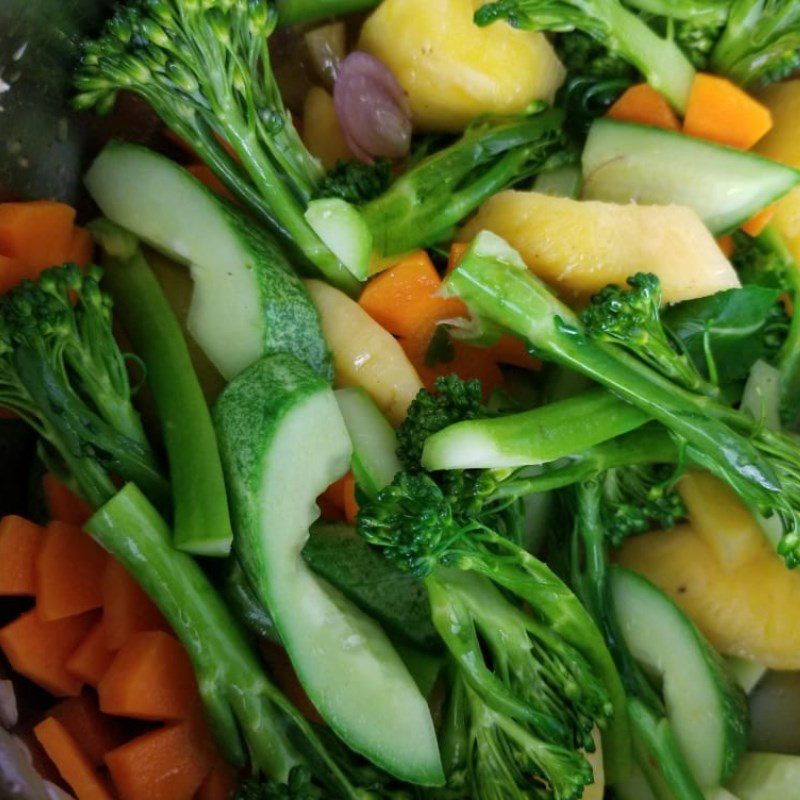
(623, 162)
(706, 708)
(766, 776)
(247, 301)
(343, 231)
(561, 182)
(396, 599)
(283, 441)
(374, 461)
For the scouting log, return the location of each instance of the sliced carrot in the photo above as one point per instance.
(756, 224)
(81, 248)
(20, 542)
(92, 657)
(13, 271)
(457, 250)
(641, 103)
(219, 784)
(37, 232)
(39, 649)
(69, 572)
(71, 761)
(126, 608)
(350, 502)
(62, 503)
(403, 298)
(97, 732)
(726, 245)
(511, 350)
(152, 678)
(166, 764)
(206, 176)
(331, 501)
(722, 112)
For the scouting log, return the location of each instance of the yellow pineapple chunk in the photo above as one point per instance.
(580, 246)
(738, 592)
(782, 143)
(322, 134)
(364, 354)
(454, 71)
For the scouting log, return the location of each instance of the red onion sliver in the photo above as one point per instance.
(56, 793)
(372, 108)
(8, 705)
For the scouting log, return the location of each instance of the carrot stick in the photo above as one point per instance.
(38, 232)
(13, 271)
(643, 104)
(97, 733)
(92, 657)
(62, 503)
(756, 224)
(72, 763)
(167, 764)
(150, 678)
(726, 245)
(81, 247)
(720, 111)
(39, 649)
(69, 571)
(20, 542)
(219, 785)
(126, 608)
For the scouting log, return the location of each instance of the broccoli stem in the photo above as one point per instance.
(495, 283)
(701, 12)
(247, 713)
(422, 206)
(201, 522)
(292, 12)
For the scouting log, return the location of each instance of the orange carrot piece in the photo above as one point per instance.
(62, 503)
(71, 761)
(81, 248)
(166, 764)
(457, 250)
(39, 649)
(38, 232)
(20, 542)
(206, 176)
(350, 502)
(720, 111)
(726, 245)
(126, 607)
(641, 103)
(13, 271)
(756, 224)
(97, 732)
(331, 501)
(511, 350)
(92, 657)
(219, 784)
(403, 298)
(69, 572)
(152, 678)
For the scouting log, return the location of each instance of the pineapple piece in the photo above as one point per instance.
(782, 143)
(322, 134)
(454, 71)
(724, 574)
(580, 246)
(364, 354)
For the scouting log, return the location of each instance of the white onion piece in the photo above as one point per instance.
(372, 108)
(8, 705)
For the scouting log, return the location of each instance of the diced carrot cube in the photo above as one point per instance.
(642, 104)
(62, 503)
(81, 248)
(756, 224)
(37, 232)
(92, 657)
(20, 542)
(219, 785)
(13, 271)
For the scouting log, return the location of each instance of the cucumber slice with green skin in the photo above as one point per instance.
(534, 437)
(283, 442)
(624, 162)
(766, 776)
(561, 182)
(247, 301)
(374, 462)
(706, 708)
(344, 232)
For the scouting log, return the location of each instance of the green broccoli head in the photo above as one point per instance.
(631, 318)
(452, 400)
(356, 182)
(298, 786)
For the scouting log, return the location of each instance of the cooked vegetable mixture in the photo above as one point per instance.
(425, 426)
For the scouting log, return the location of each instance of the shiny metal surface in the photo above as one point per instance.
(40, 139)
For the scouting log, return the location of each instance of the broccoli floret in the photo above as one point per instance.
(62, 371)
(582, 55)
(632, 319)
(760, 43)
(298, 786)
(452, 400)
(355, 181)
(697, 40)
(612, 26)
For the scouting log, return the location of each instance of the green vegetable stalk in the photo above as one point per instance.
(201, 522)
